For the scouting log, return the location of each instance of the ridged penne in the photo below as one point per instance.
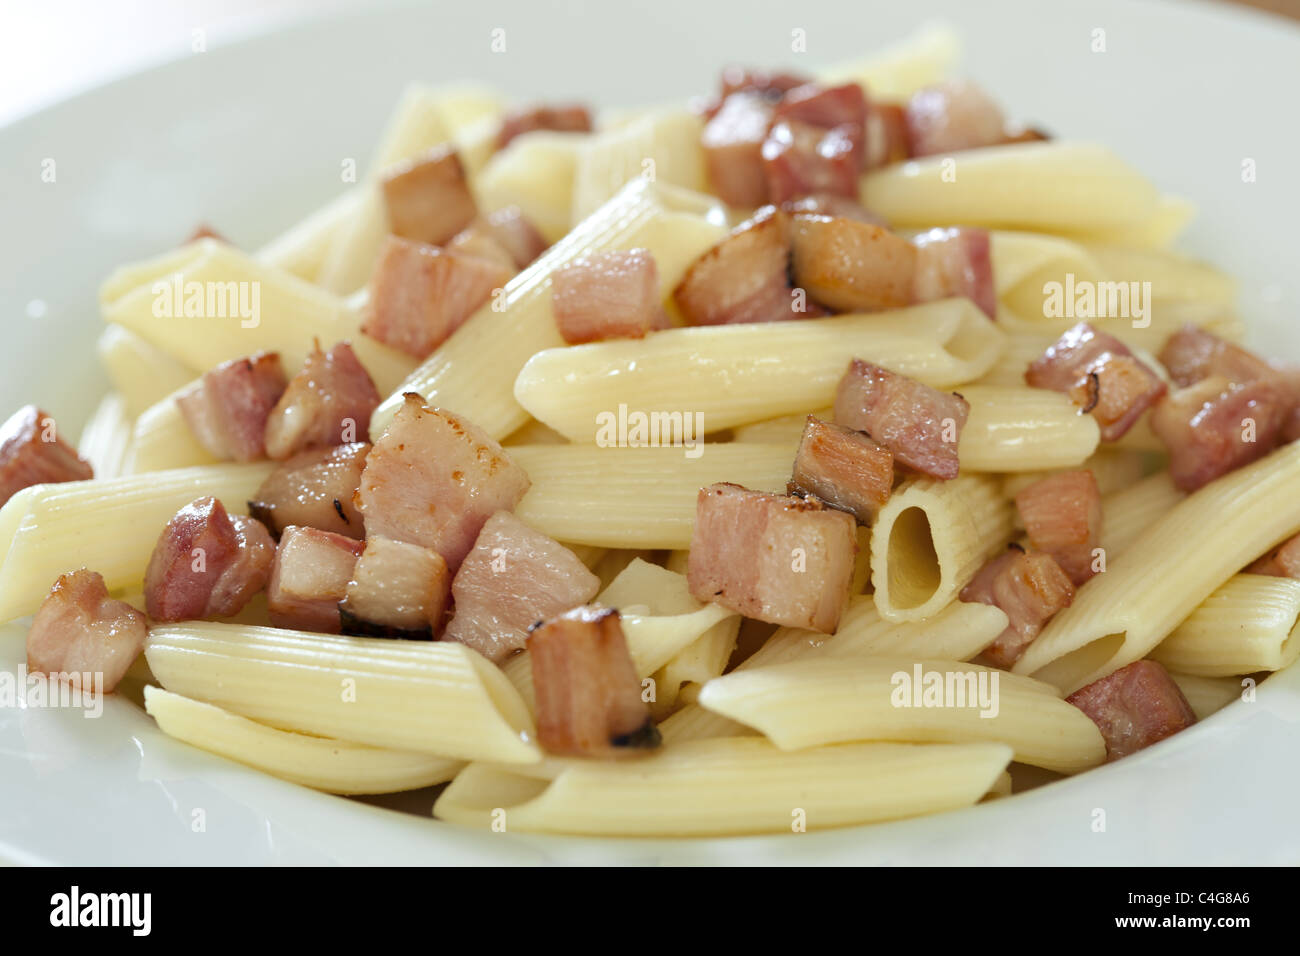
(1055, 187)
(1020, 429)
(1114, 468)
(474, 371)
(162, 439)
(827, 701)
(1249, 624)
(785, 429)
(536, 173)
(335, 766)
(635, 497)
(1119, 616)
(289, 315)
(1127, 513)
(435, 697)
(140, 372)
(735, 374)
(109, 525)
(663, 146)
(728, 786)
(106, 439)
(1208, 695)
(929, 540)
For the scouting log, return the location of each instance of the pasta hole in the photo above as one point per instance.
(913, 564)
(1069, 671)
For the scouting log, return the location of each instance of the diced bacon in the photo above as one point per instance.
(207, 563)
(513, 578)
(774, 558)
(843, 468)
(204, 231)
(434, 479)
(771, 85)
(32, 453)
(397, 590)
(420, 294)
(955, 262)
(309, 578)
(516, 233)
(588, 693)
(852, 266)
(886, 135)
(953, 116)
(609, 295)
(428, 198)
(1192, 353)
(827, 204)
(1134, 707)
(1062, 514)
(1101, 375)
(228, 408)
(1282, 562)
(561, 118)
(920, 425)
(1029, 588)
(328, 403)
(824, 106)
(1216, 426)
(733, 149)
(79, 630)
(744, 278)
(314, 489)
(799, 158)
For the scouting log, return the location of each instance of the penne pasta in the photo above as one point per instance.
(335, 766)
(1126, 514)
(536, 173)
(1054, 187)
(635, 497)
(1023, 429)
(140, 372)
(929, 540)
(898, 71)
(728, 786)
(474, 371)
(1115, 470)
(162, 439)
(1208, 695)
(1249, 624)
(436, 697)
(735, 374)
(106, 439)
(303, 248)
(1119, 616)
(817, 702)
(255, 308)
(663, 146)
(109, 525)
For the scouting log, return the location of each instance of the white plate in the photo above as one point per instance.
(252, 136)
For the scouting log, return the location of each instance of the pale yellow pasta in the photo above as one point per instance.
(1055, 186)
(734, 374)
(702, 660)
(1248, 624)
(899, 70)
(1126, 514)
(109, 525)
(1208, 695)
(729, 786)
(646, 585)
(435, 697)
(1023, 258)
(785, 429)
(354, 248)
(1119, 616)
(106, 439)
(534, 433)
(536, 173)
(1020, 429)
(635, 497)
(335, 766)
(162, 439)
(284, 313)
(474, 371)
(426, 117)
(302, 249)
(140, 372)
(826, 701)
(1170, 217)
(930, 538)
(663, 145)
